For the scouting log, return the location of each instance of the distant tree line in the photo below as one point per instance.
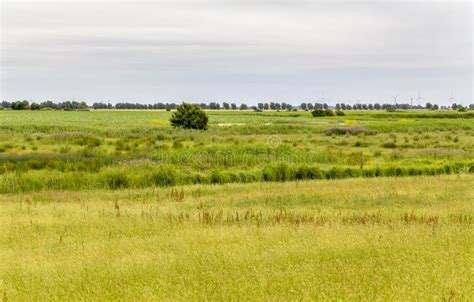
(68, 105)
(25, 105)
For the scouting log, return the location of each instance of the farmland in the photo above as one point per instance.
(118, 205)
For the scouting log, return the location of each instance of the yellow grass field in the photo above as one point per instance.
(380, 239)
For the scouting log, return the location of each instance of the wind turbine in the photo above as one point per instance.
(323, 99)
(395, 97)
(419, 98)
(452, 99)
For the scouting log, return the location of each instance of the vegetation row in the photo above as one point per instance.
(307, 106)
(121, 178)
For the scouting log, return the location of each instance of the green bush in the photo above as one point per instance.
(189, 116)
(322, 112)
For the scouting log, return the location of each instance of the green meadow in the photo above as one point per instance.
(67, 150)
(118, 205)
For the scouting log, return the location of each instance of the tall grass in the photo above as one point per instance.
(368, 239)
(163, 176)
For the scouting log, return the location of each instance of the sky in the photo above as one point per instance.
(241, 51)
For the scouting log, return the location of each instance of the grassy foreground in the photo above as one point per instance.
(352, 239)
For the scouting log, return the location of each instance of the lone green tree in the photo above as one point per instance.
(189, 116)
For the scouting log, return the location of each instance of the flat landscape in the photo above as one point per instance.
(119, 205)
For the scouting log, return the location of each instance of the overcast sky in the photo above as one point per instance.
(243, 51)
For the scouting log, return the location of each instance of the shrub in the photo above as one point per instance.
(189, 116)
(340, 113)
(322, 112)
(329, 112)
(318, 112)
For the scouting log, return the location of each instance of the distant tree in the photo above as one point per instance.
(226, 106)
(35, 106)
(435, 107)
(428, 106)
(471, 106)
(310, 106)
(343, 106)
(325, 106)
(277, 106)
(214, 106)
(266, 106)
(303, 106)
(48, 104)
(454, 106)
(272, 106)
(20, 105)
(377, 106)
(233, 106)
(95, 106)
(260, 106)
(243, 106)
(461, 108)
(289, 107)
(6, 104)
(338, 106)
(371, 107)
(189, 117)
